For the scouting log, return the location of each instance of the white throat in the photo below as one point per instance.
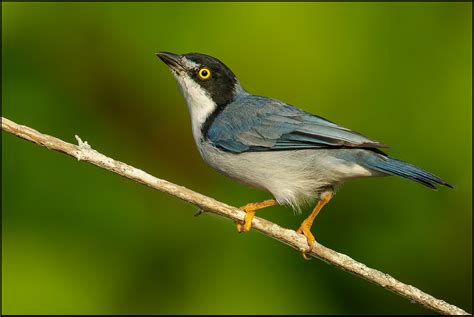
(200, 104)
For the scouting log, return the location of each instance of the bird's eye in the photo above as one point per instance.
(204, 73)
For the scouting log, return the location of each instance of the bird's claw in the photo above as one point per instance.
(250, 209)
(304, 229)
(304, 254)
(239, 224)
(244, 226)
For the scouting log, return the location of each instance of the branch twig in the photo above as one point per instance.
(84, 152)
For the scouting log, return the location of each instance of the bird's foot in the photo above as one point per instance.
(247, 223)
(305, 229)
(250, 210)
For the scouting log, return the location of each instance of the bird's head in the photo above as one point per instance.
(198, 73)
(206, 83)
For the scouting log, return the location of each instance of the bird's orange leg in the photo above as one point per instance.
(305, 227)
(250, 212)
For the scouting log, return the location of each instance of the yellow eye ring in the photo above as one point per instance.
(204, 73)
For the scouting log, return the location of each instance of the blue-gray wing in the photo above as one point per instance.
(254, 123)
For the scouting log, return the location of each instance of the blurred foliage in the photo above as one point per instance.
(80, 240)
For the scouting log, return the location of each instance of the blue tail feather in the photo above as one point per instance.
(390, 165)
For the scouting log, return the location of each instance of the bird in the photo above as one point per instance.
(265, 143)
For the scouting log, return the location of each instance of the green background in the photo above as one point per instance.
(78, 239)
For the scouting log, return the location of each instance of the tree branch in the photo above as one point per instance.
(297, 241)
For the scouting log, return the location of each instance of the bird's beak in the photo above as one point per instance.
(171, 59)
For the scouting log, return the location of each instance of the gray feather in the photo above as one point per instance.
(253, 124)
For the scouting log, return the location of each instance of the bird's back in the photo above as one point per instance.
(255, 124)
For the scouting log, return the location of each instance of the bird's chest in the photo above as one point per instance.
(291, 176)
(269, 171)
(236, 166)
(274, 172)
